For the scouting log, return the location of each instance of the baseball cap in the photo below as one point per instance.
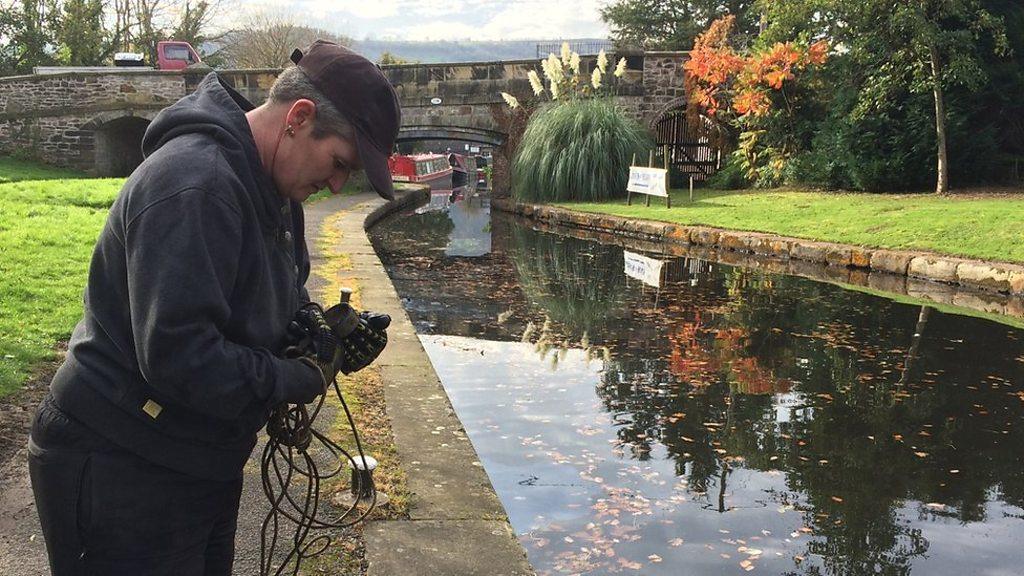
(363, 95)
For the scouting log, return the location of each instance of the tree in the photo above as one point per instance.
(267, 39)
(751, 91)
(194, 23)
(79, 33)
(670, 24)
(142, 24)
(23, 29)
(87, 32)
(916, 46)
(944, 34)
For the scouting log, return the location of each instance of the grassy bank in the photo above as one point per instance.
(49, 221)
(985, 227)
(14, 170)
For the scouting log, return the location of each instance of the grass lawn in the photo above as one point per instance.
(12, 170)
(49, 221)
(986, 227)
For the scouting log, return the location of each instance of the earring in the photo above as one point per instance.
(289, 130)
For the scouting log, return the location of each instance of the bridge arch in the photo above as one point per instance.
(117, 136)
(457, 133)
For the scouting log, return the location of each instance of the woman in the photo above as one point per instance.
(136, 455)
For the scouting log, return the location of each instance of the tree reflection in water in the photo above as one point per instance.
(839, 391)
(883, 419)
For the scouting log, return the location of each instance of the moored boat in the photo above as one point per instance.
(463, 169)
(432, 169)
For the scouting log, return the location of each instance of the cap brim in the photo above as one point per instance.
(375, 164)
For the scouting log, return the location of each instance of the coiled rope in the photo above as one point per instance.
(296, 460)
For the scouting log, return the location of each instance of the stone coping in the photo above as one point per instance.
(457, 524)
(987, 287)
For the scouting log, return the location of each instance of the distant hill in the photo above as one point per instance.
(471, 51)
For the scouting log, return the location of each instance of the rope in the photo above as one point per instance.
(295, 462)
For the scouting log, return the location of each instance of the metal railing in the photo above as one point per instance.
(581, 47)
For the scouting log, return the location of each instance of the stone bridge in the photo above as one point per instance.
(94, 121)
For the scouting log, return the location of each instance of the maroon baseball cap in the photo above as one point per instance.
(363, 95)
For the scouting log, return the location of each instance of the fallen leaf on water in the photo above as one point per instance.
(921, 454)
(837, 499)
(675, 542)
(654, 558)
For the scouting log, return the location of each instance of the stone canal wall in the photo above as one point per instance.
(456, 524)
(987, 287)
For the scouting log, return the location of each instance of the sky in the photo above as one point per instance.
(445, 19)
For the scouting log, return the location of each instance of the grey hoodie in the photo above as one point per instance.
(194, 278)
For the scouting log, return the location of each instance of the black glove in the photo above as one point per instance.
(365, 343)
(311, 338)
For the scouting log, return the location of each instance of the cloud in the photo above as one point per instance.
(445, 19)
(546, 19)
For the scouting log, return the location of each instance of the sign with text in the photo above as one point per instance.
(651, 181)
(644, 269)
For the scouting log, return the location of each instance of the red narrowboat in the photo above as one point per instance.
(432, 169)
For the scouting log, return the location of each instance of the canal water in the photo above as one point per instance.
(639, 414)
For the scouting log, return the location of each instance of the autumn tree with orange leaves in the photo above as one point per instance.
(747, 90)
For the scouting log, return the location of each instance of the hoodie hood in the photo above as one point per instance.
(217, 111)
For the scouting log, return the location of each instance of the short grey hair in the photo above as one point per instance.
(292, 85)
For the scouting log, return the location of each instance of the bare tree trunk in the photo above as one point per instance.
(942, 185)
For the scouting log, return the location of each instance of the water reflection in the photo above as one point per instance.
(714, 419)
(468, 225)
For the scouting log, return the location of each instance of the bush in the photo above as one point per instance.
(889, 149)
(730, 177)
(578, 150)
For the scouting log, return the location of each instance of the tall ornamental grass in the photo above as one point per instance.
(577, 150)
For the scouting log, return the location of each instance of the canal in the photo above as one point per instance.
(640, 414)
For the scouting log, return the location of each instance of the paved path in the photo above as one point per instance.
(457, 525)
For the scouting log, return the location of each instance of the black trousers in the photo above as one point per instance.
(107, 512)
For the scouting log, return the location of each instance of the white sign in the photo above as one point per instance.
(651, 181)
(644, 269)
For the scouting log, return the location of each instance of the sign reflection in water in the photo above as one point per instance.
(728, 420)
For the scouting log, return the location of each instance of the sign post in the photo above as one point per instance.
(648, 180)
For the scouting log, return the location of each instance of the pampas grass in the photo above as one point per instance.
(577, 150)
